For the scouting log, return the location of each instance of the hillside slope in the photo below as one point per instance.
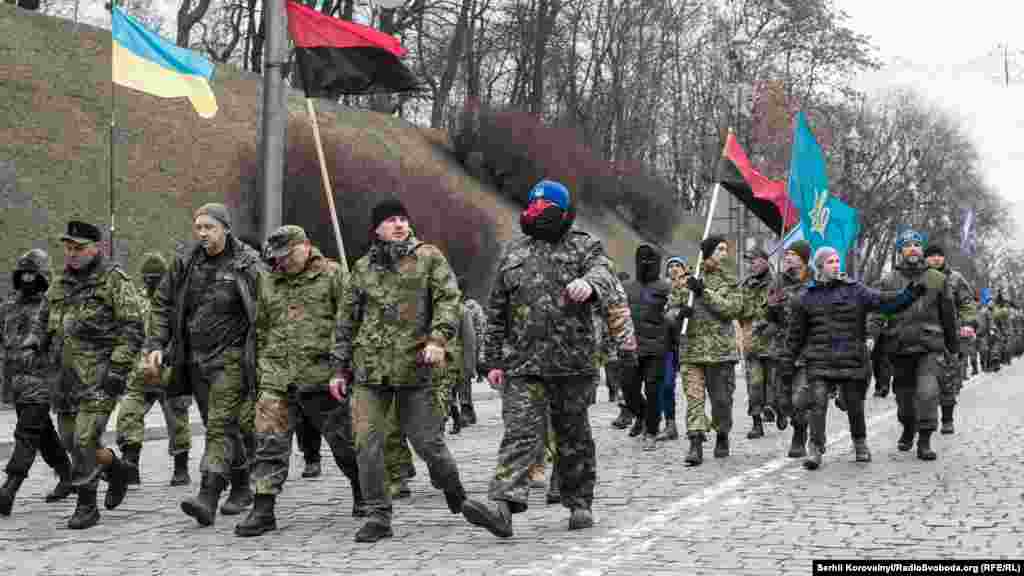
(56, 100)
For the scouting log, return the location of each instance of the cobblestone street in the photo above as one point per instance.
(756, 512)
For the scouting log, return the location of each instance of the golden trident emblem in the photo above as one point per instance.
(820, 214)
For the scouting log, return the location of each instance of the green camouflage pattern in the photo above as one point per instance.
(295, 323)
(90, 423)
(479, 319)
(231, 418)
(96, 325)
(25, 370)
(963, 297)
(710, 336)
(919, 328)
(756, 331)
(781, 312)
(399, 297)
(533, 328)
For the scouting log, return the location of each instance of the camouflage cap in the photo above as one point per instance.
(283, 239)
(153, 263)
(82, 233)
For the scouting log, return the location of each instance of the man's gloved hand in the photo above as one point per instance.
(696, 285)
(113, 384)
(628, 359)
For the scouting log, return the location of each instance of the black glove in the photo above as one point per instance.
(114, 384)
(685, 311)
(627, 359)
(696, 285)
(917, 290)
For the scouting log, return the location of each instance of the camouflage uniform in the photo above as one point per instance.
(547, 346)
(708, 351)
(294, 329)
(955, 368)
(23, 323)
(916, 340)
(762, 396)
(401, 296)
(141, 397)
(94, 333)
(789, 387)
(201, 318)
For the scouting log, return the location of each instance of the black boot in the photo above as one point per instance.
(312, 469)
(613, 394)
(7, 493)
(947, 419)
(455, 499)
(260, 519)
(358, 504)
(373, 531)
(498, 520)
(86, 513)
(924, 445)
(580, 519)
(118, 474)
(203, 507)
(624, 420)
(240, 496)
(721, 445)
(456, 418)
(696, 454)
(860, 448)
(468, 415)
(757, 429)
(638, 428)
(130, 457)
(798, 444)
(906, 441)
(813, 461)
(180, 476)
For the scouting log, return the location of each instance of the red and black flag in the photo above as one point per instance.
(336, 57)
(766, 198)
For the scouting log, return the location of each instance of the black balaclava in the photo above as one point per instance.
(648, 264)
(36, 263)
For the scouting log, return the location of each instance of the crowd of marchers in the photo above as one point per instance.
(271, 338)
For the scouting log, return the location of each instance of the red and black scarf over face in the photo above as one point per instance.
(545, 220)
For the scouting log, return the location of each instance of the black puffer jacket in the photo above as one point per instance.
(828, 327)
(929, 326)
(647, 299)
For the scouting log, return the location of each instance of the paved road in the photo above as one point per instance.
(753, 513)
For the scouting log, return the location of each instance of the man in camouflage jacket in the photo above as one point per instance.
(398, 313)
(541, 353)
(916, 340)
(202, 323)
(708, 348)
(94, 334)
(142, 395)
(479, 320)
(23, 322)
(756, 333)
(955, 368)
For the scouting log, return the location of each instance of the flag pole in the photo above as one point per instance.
(328, 190)
(113, 139)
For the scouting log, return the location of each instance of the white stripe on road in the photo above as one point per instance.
(624, 544)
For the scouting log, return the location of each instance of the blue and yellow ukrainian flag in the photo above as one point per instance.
(146, 62)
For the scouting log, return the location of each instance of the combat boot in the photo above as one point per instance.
(455, 498)
(358, 504)
(637, 429)
(670, 432)
(260, 519)
(721, 445)
(860, 448)
(468, 415)
(373, 531)
(798, 444)
(118, 474)
(813, 460)
(696, 454)
(7, 493)
(240, 496)
(180, 476)
(924, 445)
(203, 507)
(580, 519)
(498, 520)
(86, 513)
(757, 429)
(624, 420)
(947, 419)
(906, 441)
(312, 470)
(130, 457)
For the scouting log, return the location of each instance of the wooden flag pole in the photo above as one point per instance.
(328, 191)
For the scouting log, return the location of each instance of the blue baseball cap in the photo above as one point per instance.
(551, 191)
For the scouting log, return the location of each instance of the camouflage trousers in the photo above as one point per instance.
(397, 455)
(131, 418)
(34, 433)
(811, 396)
(90, 423)
(228, 415)
(701, 381)
(274, 426)
(527, 403)
(950, 378)
(420, 420)
(762, 387)
(916, 385)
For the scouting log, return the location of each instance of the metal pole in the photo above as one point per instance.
(275, 116)
(113, 142)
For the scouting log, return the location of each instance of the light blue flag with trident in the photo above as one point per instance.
(824, 219)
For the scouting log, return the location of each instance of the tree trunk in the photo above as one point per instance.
(188, 18)
(451, 67)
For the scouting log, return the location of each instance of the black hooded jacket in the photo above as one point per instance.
(648, 296)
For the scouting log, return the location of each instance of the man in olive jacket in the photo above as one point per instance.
(916, 340)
